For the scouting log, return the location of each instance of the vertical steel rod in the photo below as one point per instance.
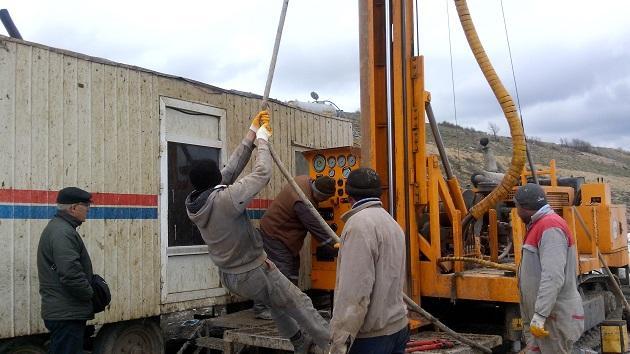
(9, 25)
(274, 56)
(438, 141)
(390, 120)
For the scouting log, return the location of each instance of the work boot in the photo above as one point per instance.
(302, 342)
(264, 315)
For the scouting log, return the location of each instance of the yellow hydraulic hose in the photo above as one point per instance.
(508, 267)
(512, 176)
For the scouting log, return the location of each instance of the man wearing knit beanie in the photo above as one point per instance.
(369, 313)
(285, 224)
(547, 279)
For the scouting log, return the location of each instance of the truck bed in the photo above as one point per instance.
(242, 329)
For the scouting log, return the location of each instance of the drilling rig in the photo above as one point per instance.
(463, 246)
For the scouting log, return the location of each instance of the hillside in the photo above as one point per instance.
(613, 165)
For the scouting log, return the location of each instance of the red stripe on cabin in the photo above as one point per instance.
(29, 196)
(259, 204)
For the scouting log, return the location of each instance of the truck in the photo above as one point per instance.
(463, 244)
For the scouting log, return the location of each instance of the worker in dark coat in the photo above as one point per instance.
(551, 306)
(65, 271)
(286, 223)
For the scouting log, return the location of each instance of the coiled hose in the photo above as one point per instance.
(512, 176)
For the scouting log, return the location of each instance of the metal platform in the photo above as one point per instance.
(243, 329)
(241, 319)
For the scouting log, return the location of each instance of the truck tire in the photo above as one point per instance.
(143, 336)
(22, 346)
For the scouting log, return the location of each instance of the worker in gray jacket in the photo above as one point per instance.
(217, 206)
(65, 270)
(551, 307)
(369, 315)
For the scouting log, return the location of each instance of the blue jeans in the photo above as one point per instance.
(66, 337)
(391, 344)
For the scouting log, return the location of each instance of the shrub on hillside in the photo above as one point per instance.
(578, 144)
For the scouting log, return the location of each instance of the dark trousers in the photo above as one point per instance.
(281, 256)
(391, 344)
(287, 263)
(66, 337)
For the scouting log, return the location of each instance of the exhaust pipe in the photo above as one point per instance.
(9, 25)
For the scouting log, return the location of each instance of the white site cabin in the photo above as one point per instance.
(127, 135)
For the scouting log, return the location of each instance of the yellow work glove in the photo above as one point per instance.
(261, 118)
(264, 132)
(537, 326)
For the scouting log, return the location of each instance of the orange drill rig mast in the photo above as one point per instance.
(393, 105)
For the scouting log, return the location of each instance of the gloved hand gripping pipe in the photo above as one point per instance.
(264, 105)
(512, 176)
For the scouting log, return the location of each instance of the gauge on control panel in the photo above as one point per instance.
(319, 163)
(331, 173)
(341, 161)
(346, 172)
(351, 160)
(332, 161)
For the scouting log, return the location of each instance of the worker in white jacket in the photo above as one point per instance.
(369, 313)
(551, 307)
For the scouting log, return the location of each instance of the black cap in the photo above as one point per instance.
(73, 195)
(205, 174)
(530, 196)
(363, 183)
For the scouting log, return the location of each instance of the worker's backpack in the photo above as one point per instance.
(102, 297)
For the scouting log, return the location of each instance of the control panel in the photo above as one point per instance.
(336, 163)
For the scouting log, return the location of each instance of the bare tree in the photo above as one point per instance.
(494, 129)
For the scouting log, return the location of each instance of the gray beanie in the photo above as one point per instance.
(530, 196)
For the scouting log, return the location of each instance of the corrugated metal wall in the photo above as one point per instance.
(67, 119)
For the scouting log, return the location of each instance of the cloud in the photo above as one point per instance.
(570, 58)
(565, 91)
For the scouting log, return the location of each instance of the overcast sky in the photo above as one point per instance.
(571, 58)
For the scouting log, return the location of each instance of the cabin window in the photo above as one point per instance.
(181, 231)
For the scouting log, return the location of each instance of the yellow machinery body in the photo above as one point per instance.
(337, 164)
(429, 207)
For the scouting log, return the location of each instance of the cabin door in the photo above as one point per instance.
(188, 132)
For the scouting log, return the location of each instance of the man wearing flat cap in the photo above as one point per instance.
(551, 307)
(65, 271)
(285, 224)
(369, 313)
